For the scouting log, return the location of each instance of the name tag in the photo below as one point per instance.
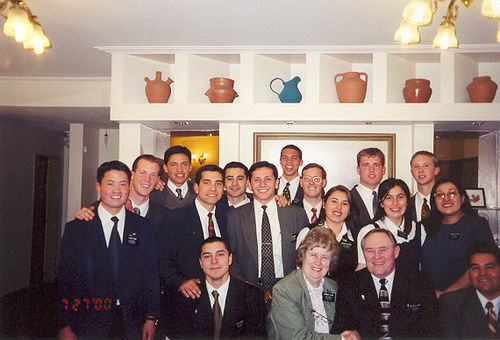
(454, 236)
(415, 308)
(132, 239)
(402, 234)
(294, 238)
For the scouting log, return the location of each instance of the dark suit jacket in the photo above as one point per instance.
(242, 237)
(241, 313)
(169, 199)
(462, 316)
(158, 214)
(179, 244)
(413, 209)
(299, 196)
(363, 217)
(85, 281)
(414, 307)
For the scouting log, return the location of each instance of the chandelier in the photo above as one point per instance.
(419, 13)
(23, 26)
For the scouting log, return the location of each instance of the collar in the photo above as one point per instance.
(389, 278)
(421, 197)
(184, 187)
(104, 215)
(366, 190)
(389, 224)
(308, 207)
(293, 182)
(202, 211)
(237, 205)
(271, 205)
(143, 207)
(314, 290)
(483, 300)
(222, 290)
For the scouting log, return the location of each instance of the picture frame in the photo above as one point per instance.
(336, 152)
(476, 197)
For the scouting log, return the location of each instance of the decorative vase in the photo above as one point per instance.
(482, 89)
(290, 92)
(417, 90)
(221, 90)
(351, 88)
(158, 91)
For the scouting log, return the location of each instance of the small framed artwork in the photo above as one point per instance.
(476, 197)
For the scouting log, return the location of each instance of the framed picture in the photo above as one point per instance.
(336, 152)
(476, 197)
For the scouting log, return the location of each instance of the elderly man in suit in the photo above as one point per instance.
(262, 234)
(473, 312)
(383, 301)
(290, 161)
(108, 275)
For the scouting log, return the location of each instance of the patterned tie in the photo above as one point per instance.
(426, 211)
(217, 315)
(211, 229)
(374, 203)
(314, 217)
(492, 320)
(137, 211)
(286, 192)
(114, 248)
(267, 265)
(385, 307)
(179, 193)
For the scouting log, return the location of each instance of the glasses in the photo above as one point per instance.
(442, 195)
(320, 316)
(315, 179)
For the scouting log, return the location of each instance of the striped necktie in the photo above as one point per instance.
(385, 307)
(492, 320)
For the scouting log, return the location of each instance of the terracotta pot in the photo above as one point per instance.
(351, 88)
(417, 90)
(221, 90)
(482, 89)
(158, 91)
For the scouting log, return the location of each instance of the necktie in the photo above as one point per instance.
(374, 203)
(426, 211)
(217, 315)
(179, 193)
(114, 248)
(231, 207)
(492, 320)
(385, 309)
(286, 191)
(211, 229)
(137, 211)
(314, 217)
(267, 265)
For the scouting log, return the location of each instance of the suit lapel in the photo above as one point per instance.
(220, 215)
(204, 314)
(197, 229)
(286, 238)
(330, 286)
(363, 211)
(475, 317)
(307, 305)
(249, 231)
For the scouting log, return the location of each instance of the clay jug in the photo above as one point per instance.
(158, 91)
(482, 90)
(221, 90)
(351, 88)
(290, 92)
(417, 90)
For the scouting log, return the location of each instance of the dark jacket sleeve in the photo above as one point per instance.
(428, 324)
(233, 226)
(449, 315)
(168, 240)
(151, 281)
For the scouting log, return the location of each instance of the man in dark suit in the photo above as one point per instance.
(108, 275)
(290, 161)
(473, 312)
(264, 223)
(239, 303)
(178, 191)
(424, 168)
(312, 182)
(384, 301)
(371, 169)
(235, 184)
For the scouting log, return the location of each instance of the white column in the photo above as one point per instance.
(229, 146)
(75, 170)
(129, 142)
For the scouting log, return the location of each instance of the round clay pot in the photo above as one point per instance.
(351, 88)
(221, 90)
(417, 90)
(158, 91)
(482, 89)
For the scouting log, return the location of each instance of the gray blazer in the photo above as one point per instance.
(241, 228)
(291, 314)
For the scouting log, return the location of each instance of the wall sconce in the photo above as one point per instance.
(199, 160)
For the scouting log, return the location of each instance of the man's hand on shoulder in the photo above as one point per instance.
(160, 185)
(281, 201)
(148, 330)
(66, 333)
(86, 214)
(190, 288)
(350, 335)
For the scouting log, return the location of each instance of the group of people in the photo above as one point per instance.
(207, 258)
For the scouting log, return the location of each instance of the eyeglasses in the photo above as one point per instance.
(320, 316)
(441, 195)
(315, 179)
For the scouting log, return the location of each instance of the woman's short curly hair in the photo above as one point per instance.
(319, 237)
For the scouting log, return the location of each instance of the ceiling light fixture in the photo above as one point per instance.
(22, 25)
(420, 12)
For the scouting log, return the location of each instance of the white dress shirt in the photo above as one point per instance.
(388, 284)
(419, 200)
(222, 290)
(107, 224)
(308, 207)
(143, 208)
(320, 318)
(203, 214)
(294, 185)
(184, 188)
(237, 205)
(272, 213)
(367, 197)
(484, 301)
(302, 234)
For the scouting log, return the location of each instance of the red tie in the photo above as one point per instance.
(211, 229)
(314, 217)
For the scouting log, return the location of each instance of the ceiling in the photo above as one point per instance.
(77, 27)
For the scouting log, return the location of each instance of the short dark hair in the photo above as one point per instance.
(208, 167)
(236, 165)
(149, 158)
(314, 165)
(214, 239)
(379, 231)
(319, 237)
(112, 165)
(263, 164)
(293, 147)
(176, 149)
(425, 153)
(371, 152)
(483, 248)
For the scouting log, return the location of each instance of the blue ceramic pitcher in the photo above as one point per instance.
(290, 92)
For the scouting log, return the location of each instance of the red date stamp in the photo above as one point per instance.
(87, 304)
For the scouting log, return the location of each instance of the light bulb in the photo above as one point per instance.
(446, 36)
(418, 12)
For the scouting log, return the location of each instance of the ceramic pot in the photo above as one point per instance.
(482, 89)
(221, 90)
(417, 90)
(290, 92)
(158, 91)
(351, 88)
